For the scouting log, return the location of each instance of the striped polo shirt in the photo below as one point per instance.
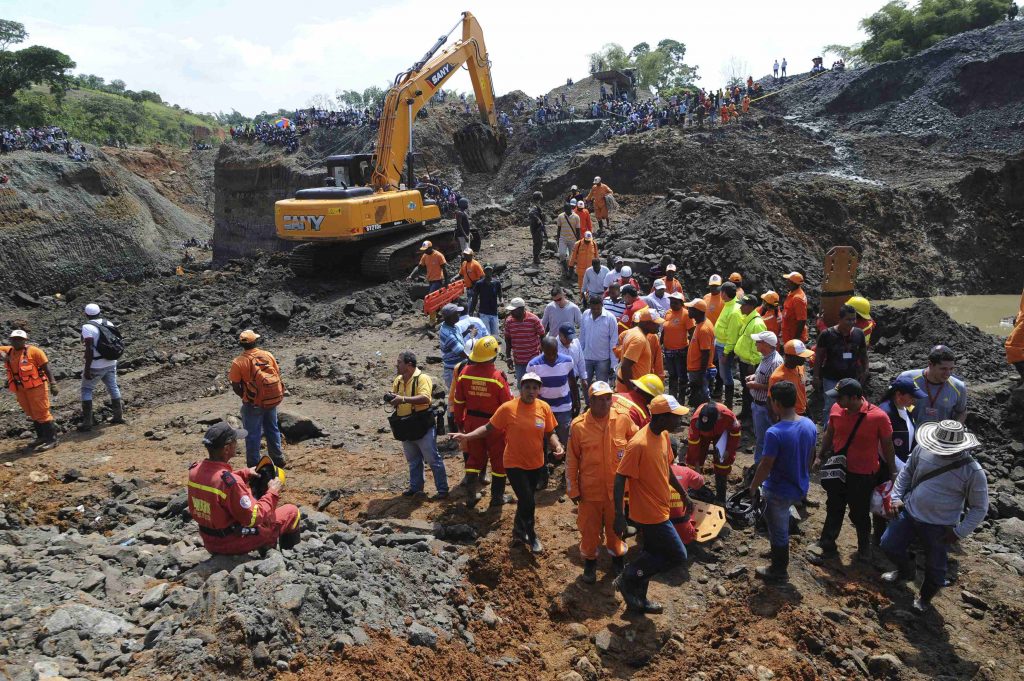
(524, 336)
(616, 307)
(554, 380)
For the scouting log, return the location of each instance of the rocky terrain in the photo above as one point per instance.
(102, 571)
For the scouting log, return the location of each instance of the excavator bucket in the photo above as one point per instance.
(837, 286)
(480, 147)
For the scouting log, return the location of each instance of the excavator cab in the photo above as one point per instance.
(349, 175)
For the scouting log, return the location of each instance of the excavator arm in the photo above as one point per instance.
(480, 146)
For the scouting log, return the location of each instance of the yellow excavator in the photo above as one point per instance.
(368, 216)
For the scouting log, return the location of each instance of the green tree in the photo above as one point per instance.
(117, 86)
(34, 65)
(897, 31)
(662, 68)
(373, 96)
(11, 33)
(848, 53)
(611, 56)
(678, 73)
(352, 98)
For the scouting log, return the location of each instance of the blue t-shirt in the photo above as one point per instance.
(791, 443)
(488, 292)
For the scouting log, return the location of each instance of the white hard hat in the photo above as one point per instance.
(626, 272)
(92, 309)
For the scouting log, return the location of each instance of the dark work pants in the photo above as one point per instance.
(746, 370)
(538, 246)
(856, 495)
(662, 550)
(524, 484)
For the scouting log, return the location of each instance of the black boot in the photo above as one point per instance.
(647, 606)
(290, 540)
(924, 599)
(618, 564)
(87, 423)
(40, 439)
(628, 589)
(49, 433)
(590, 571)
(864, 552)
(117, 406)
(778, 571)
(497, 491)
(721, 486)
(472, 489)
(729, 392)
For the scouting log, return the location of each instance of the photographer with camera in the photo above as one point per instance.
(413, 423)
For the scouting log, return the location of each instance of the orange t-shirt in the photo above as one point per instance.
(524, 426)
(636, 347)
(793, 312)
(796, 377)
(434, 262)
(715, 305)
(703, 339)
(671, 286)
(471, 272)
(646, 464)
(675, 330)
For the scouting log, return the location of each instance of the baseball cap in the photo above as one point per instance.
(248, 336)
(770, 297)
(451, 308)
(670, 268)
(626, 272)
(708, 417)
(221, 433)
(698, 304)
(846, 387)
(736, 277)
(530, 376)
(749, 299)
(659, 284)
(92, 309)
(597, 180)
(647, 315)
(19, 333)
(600, 388)
(587, 236)
(573, 188)
(766, 337)
(568, 329)
(515, 304)
(488, 267)
(905, 384)
(426, 245)
(795, 277)
(715, 280)
(468, 251)
(667, 404)
(676, 295)
(796, 348)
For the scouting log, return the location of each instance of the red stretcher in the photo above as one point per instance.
(433, 302)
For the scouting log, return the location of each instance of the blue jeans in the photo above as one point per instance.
(598, 370)
(109, 377)
(724, 364)
(435, 286)
(675, 367)
(699, 392)
(763, 420)
(520, 370)
(491, 322)
(826, 385)
(425, 450)
(902, 532)
(776, 517)
(663, 549)
(447, 374)
(256, 421)
(563, 419)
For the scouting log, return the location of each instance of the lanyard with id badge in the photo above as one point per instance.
(931, 413)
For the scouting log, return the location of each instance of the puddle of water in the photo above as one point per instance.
(985, 312)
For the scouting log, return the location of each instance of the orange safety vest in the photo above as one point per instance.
(26, 375)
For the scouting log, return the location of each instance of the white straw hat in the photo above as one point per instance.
(945, 438)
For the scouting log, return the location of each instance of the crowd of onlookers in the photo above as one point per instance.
(46, 138)
(286, 132)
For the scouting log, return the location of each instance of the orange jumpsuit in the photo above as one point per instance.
(646, 360)
(746, 103)
(794, 310)
(701, 443)
(597, 194)
(1015, 341)
(630, 403)
(586, 224)
(27, 380)
(724, 113)
(230, 520)
(583, 254)
(595, 448)
(477, 392)
(732, 112)
(715, 305)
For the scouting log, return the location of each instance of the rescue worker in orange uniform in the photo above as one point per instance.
(583, 254)
(794, 310)
(724, 113)
(586, 224)
(746, 104)
(737, 279)
(230, 520)
(635, 401)
(597, 441)
(471, 272)
(634, 303)
(672, 284)
(598, 198)
(713, 298)
(864, 321)
(710, 422)
(770, 312)
(641, 349)
(30, 379)
(1015, 342)
(477, 392)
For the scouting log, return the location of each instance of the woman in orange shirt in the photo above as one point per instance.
(527, 422)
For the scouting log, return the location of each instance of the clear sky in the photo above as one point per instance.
(255, 55)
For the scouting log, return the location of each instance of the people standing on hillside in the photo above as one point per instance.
(598, 198)
(946, 395)
(784, 65)
(897, 403)
(757, 386)
(586, 225)
(775, 69)
(538, 229)
(794, 356)
(584, 253)
(770, 313)
(256, 377)
(560, 311)
(30, 379)
(471, 272)
(433, 261)
(103, 345)
(463, 231)
(745, 350)
(726, 332)
(700, 354)
(523, 331)
(640, 354)
(658, 298)
(675, 342)
(794, 310)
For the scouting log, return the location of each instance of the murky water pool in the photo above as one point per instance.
(986, 312)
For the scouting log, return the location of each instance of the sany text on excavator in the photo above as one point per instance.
(367, 216)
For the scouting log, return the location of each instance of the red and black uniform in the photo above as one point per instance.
(477, 392)
(700, 443)
(690, 480)
(230, 520)
(633, 405)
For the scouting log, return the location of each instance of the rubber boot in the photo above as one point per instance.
(117, 406)
(38, 427)
(924, 599)
(618, 565)
(590, 571)
(87, 423)
(497, 491)
(472, 489)
(290, 540)
(721, 486)
(778, 571)
(729, 391)
(49, 433)
(864, 552)
(647, 606)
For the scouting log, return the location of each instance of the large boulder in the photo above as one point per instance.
(298, 427)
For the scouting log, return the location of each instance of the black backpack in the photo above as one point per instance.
(109, 345)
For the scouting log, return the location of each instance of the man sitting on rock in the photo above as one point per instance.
(230, 519)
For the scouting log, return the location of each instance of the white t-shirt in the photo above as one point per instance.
(90, 331)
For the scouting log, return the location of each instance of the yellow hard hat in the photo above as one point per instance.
(650, 384)
(484, 350)
(861, 305)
